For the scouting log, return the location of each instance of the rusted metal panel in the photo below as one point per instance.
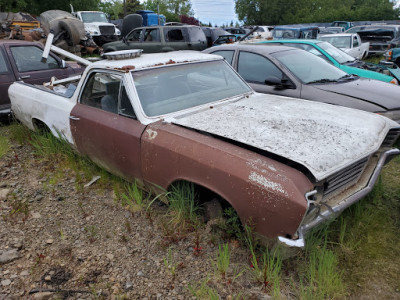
(269, 193)
(111, 140)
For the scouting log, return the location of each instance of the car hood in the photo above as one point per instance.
(324, 138)
(385, 95)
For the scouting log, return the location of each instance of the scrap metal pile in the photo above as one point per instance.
(69, 32)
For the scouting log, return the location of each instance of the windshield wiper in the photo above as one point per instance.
(323, 80)
(347, 77)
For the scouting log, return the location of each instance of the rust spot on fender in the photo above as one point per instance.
(170, 62)
(126, 68)
(152, 134)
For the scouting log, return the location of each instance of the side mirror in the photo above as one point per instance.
(278, 83)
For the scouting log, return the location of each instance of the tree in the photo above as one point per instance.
(171, 9)
(272, 12)
(189, 20)
(114, 8)
(132, 6)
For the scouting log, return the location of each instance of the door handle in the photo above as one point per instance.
(74, 118)
(25, 77)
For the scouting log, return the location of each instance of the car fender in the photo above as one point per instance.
(261, 189)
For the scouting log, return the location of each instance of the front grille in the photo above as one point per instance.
(391, 137)
(345, 177)
(107, 30)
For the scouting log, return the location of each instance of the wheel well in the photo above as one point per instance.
(203, 194)
(40, 125)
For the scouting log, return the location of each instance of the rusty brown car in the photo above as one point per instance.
(286, 164)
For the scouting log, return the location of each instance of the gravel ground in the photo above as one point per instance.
(58, 241)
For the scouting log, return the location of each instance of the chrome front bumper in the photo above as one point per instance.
(335, 211)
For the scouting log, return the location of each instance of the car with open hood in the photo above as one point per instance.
(285, 165)
(381, 37)
(297, 73)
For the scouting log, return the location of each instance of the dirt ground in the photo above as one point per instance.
(58, 241)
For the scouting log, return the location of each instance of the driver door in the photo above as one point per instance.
(255, 68)
(104, 125)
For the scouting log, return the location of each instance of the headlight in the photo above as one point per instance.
(394, 81)
(388, 55)
(117, 31)
(391, 114)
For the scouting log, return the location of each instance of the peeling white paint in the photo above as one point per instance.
(322, 137)
(146, 61)
(260, 179)
(152, 134)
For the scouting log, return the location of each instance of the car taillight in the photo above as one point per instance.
(394, 81)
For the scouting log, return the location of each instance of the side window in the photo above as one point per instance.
(125, 107)
(174, 35)
(151, 35)
(355, 42)
(29, 58)
(227, 54)
(3, 64)
(310, 49)
(256, 68)
(105, 91)
(134, 36)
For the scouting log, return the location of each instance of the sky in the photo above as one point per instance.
(217, 12)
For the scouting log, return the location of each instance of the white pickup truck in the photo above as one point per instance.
(349, 43)
(287, 165)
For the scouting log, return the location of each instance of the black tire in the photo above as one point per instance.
(131, 22)
(212, 210)
(397, 62)
(73, 31)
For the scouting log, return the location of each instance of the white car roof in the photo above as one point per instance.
(156, 59)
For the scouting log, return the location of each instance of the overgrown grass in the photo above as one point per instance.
(266, 266)
(357, 252)
(4, 145)
(169, 263)
(182, 203)
(133, 197)
(223, 259)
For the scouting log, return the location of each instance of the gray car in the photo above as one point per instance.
(153, 39)
(297, 73)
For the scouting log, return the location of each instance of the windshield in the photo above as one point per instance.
(338, 41)
(170, 89)
(285, 34)
(340, 56)
(309, 68)
(91, 17)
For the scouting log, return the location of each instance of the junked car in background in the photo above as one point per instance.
(22, 61)
(392, 57)
(380, 37)
(213, 33)
(154, 39)
(344, 24)
(348, 42)
(329, 30)
(342, 60)
(187, 116)
(295, 32)
(297, 73)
